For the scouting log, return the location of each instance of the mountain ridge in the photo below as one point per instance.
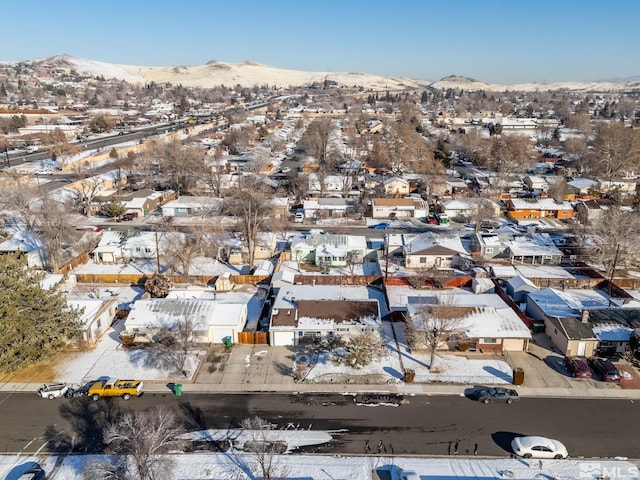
(248, 73)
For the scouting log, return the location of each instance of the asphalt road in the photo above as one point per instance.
(422, 425)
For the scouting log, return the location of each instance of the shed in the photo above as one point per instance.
(519, 287)
(224, 283)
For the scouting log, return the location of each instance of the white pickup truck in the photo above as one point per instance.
(53, 390)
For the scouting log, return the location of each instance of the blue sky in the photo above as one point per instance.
(490, 40)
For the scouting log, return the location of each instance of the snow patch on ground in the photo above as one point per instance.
(236, 466)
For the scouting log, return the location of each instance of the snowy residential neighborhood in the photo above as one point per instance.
(216, 282)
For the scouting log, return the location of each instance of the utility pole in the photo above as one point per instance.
(613, 269)
(157, 253)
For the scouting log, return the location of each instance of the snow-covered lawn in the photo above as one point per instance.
(235, 466)
(110, 359)
(390, 367)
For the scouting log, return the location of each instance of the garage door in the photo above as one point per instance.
(219, 334)
(282, 339)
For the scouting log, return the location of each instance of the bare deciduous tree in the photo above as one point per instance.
(178, 342)
(617, 148)
(145, 437)
(87, 185)
(264, 449)
(251, 210)
(432, 324)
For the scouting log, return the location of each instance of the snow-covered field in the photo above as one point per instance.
(234, 466)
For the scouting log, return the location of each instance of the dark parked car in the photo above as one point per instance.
(604, 369)
(499, 395)
(577, 367)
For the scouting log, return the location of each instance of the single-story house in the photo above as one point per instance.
(432, 250)
(581, 186)
(328, 207)
(236, 252)
(190, 205)
(481, 322)
(309, 321)
(308, 313)
(535, 182)
(396, 186)
(329, 250)
(399, 208)
(96, 318)
(330, 183)
(566, 317)
(27, 244)
(468, 207)
(523, 208)
(213, 321)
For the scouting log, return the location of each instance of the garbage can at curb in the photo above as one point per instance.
(177, 389)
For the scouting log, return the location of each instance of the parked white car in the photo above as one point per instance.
(53, 390)
(538, 447)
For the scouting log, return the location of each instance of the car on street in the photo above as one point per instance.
(604, 369)
(577, 367)
(53, 390)
(496, 395)
(89, 228)
(538, 447)
(380, 226)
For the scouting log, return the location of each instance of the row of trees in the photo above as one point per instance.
(142, 440)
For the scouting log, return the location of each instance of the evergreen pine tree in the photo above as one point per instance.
(34, 322)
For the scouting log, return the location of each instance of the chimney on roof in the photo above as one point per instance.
(585, 316)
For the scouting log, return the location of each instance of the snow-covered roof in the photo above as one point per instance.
(290, 293)
(569, 303)
(539, 204)
(165, 312)
(519, 282)
(612, 332)
(91, 307)
(424, 241)
(483, 321)
(582, 183)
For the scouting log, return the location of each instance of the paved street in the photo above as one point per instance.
(422, 425)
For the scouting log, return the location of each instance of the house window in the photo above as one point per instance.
(489, 340)
(423, 259)
(555, 331)
(488, 250)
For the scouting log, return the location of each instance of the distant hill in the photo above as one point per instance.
(215, 73)
(249, 73)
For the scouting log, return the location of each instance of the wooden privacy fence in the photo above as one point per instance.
(140, 278)
(253, 338)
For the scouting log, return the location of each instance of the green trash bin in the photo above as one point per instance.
(177, 389)
(228, 341)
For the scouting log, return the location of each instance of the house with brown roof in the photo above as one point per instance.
(399, 208)
(309, 313)
(308, 321)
